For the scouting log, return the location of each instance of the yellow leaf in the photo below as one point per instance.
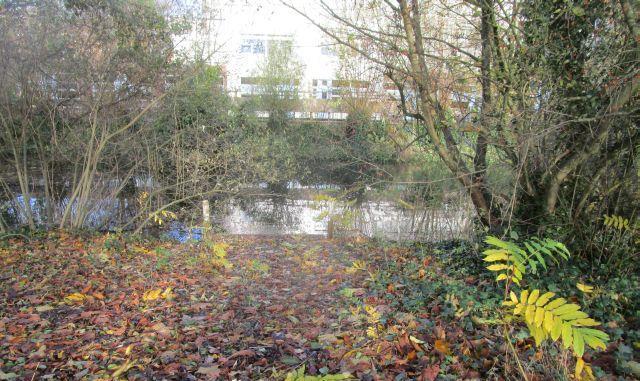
(529, 315)
(497, 267)
(123, 368)
(544, 298)
(519, 308)
(548, 321)
(74, 298)
(151, 295)
(579, 367)
(539, 317)
(555, 304)
(517, 273)
(513, 297)
(168, 294)
(584, 288)
(499, 255)
(533, 297)
(538, 334)
(500, 277)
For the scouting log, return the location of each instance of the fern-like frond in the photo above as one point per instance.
(616, 222)
(547, 317)
(511, 261)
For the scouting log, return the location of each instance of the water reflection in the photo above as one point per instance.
(383, 219)
(293, 214)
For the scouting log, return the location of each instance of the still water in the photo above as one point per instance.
(385, 219)
(376, 219)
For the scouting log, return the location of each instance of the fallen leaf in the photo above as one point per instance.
(75, 298)
(162, 330)
(151, 295)
(430, 373)
(243, 353)
(123, 368)
(442, 347)
(211, 372)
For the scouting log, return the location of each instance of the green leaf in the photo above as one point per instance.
(578, 11)
(578, 343)
(574, 315)
(595, 332)
(556, 330)
(565, 309)
(537, 254)
(587, 322)
(593, 341)
(556, 303)
(567, 335)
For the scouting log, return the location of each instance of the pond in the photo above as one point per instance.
(289, 214)
(374, 219)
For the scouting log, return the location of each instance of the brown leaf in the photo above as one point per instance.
(210, 371)
(430, 373)
(162, 330)
(243, 353)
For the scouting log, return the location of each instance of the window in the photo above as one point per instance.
(258, 47)
(245, 47)
(252, 46)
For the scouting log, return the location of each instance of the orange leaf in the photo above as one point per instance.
(442, 347)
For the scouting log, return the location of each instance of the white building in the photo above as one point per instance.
(237, 35)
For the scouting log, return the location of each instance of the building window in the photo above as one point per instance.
(245, 47)
(252, 46)
(258, 47)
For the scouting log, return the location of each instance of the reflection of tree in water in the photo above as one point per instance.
(275, 210)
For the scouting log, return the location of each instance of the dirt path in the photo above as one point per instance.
(104, 307)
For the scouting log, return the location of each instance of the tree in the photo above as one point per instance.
(520, 110)
(279, 79)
